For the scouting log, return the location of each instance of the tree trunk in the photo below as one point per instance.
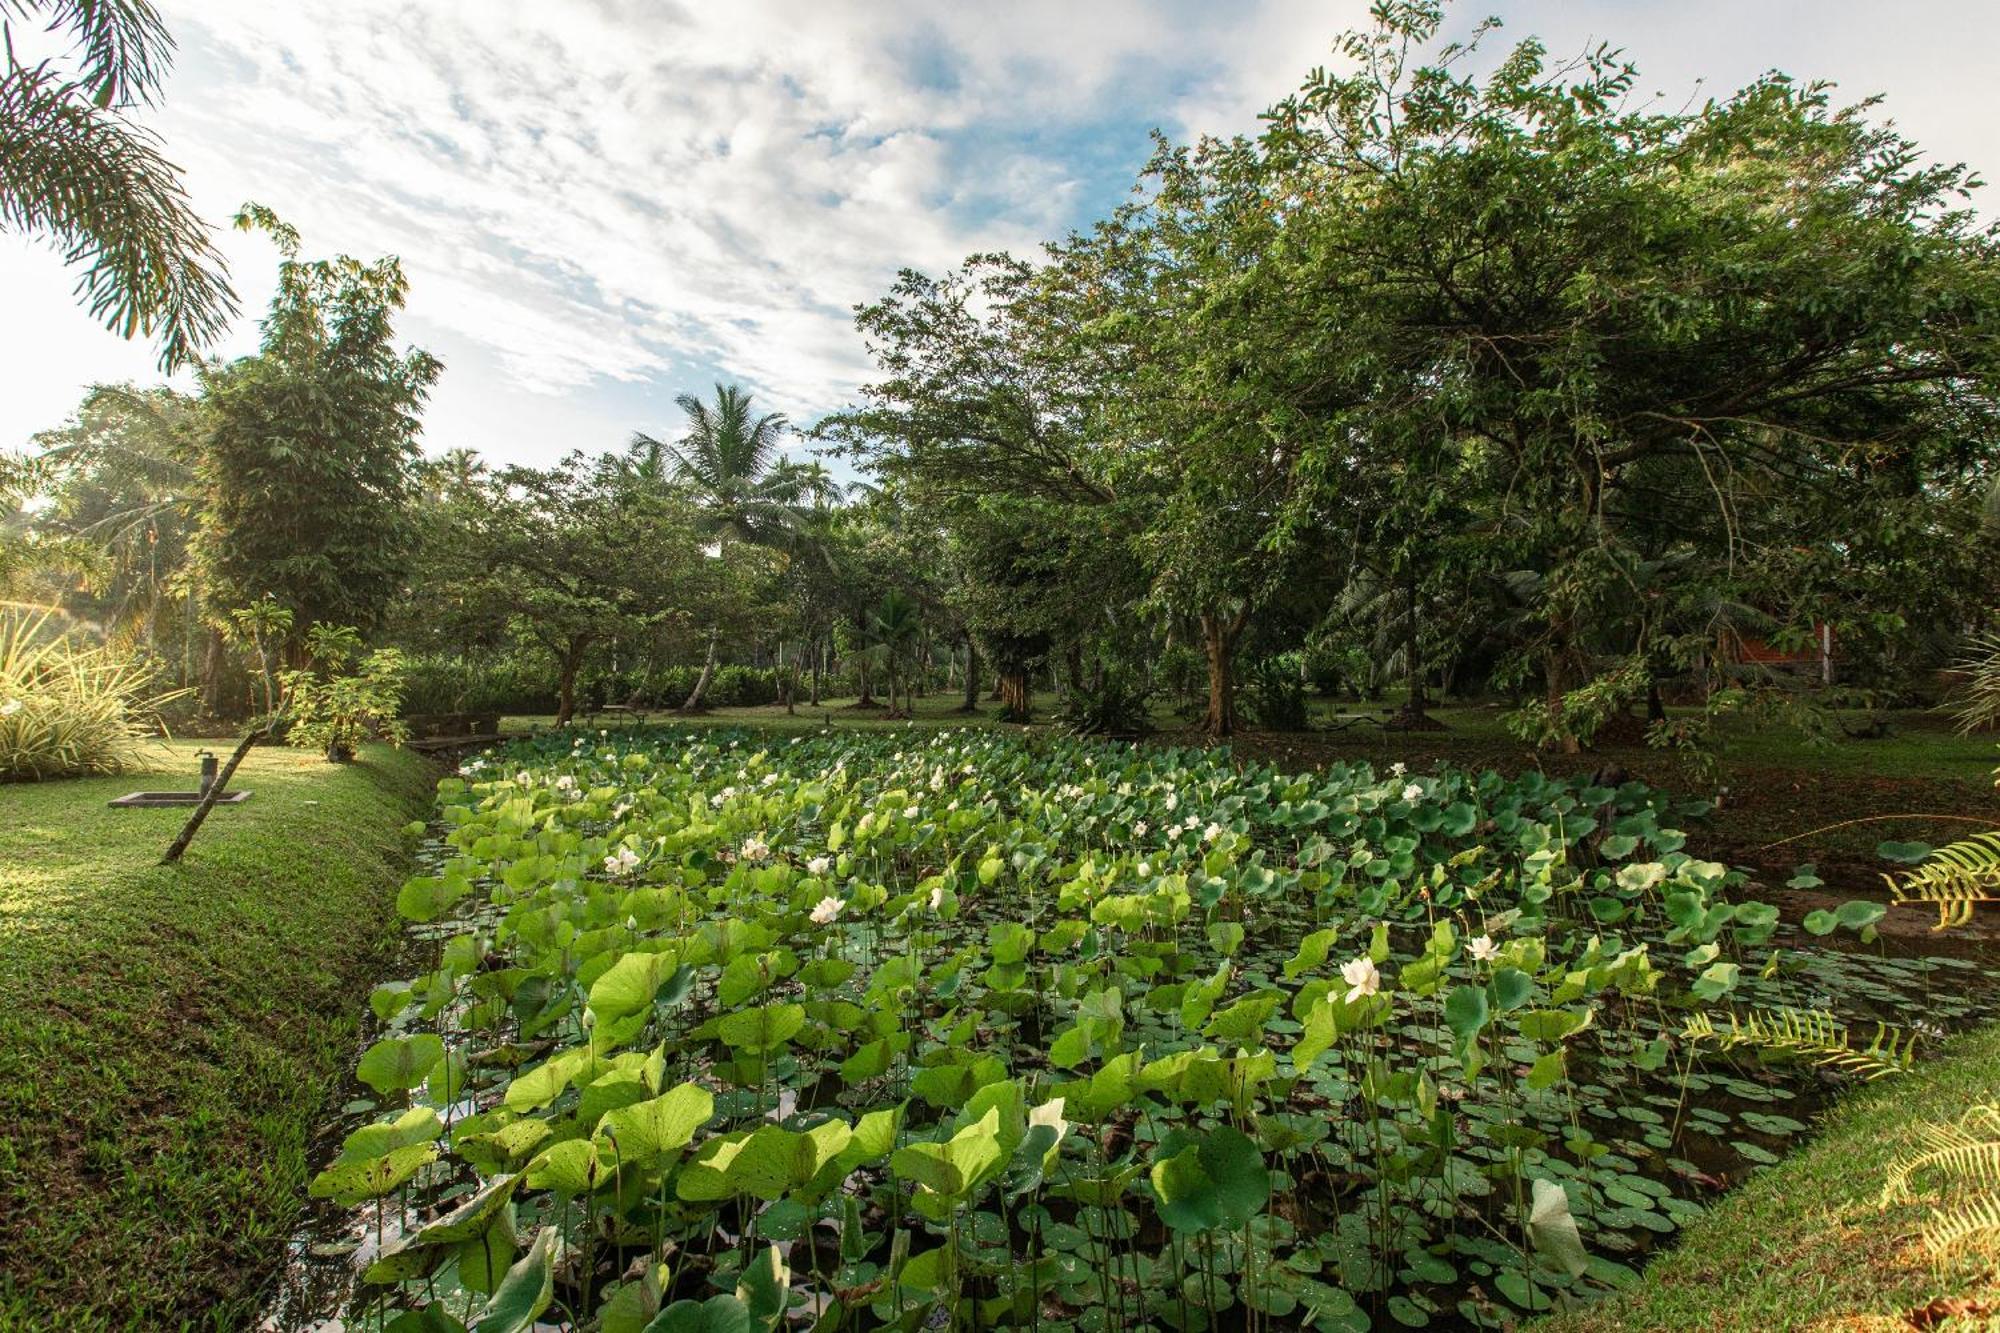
(572, 666)
(1219, 637)
(1552, 669)
(693, 703)
(971, 704)
(1073, 660)
(819, 665)
(1017, 701)
(214, 659)
(1412, 658)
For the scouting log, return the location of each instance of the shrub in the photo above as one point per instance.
(344, 695)
(69, 709)
(1277, 698)
(438, 684)
(731, 687)
(1119, 704)
(1977, 704)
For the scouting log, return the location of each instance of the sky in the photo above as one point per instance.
(601, 204)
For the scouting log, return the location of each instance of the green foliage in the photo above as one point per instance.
(869, 982)
(1114, 702)
(1812, 1034)
(344, 696)
(76, 170)
(305, 476)
(1977, 706)
(1278, 697)
(68, 708)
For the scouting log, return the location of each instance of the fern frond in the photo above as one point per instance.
(1968, 1225)
(1812, 1034)
(1966, 1152)
(1956, 879)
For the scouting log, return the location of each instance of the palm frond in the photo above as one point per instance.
(97, 185)
(122, 48)
(1977, 704)
(1955, 880)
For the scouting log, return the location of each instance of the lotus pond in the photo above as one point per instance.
(719, 1034)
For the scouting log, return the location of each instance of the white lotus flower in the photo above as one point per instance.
(826, 910)
(11, 707)
(910, 812)
(1413, 792)
(525, 778)
(937, 897)
(632, 924)
(1139, 829)
(1172, 802)
(565, 783)
(1484, 950)
(819, 865)
(1211, 833)
(756, 849)
(716, 800)
(623, 862)
(1397, 769)
(1361, 977)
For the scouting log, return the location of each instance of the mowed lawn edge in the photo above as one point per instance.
(169, 1036)
(1805, 1244)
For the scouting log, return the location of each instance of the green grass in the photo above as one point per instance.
(169, 1037)
(1803, 1244)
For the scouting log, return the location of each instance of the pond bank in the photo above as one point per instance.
(168, 1035)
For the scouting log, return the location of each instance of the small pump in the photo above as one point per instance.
(208, 769)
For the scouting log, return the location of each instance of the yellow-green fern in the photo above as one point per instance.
(1811, 1034)
(1955, 880)
(1966, 1150)
(1968, 1226)
(1959, 1161)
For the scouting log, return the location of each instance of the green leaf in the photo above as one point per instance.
(419, 1124)
(353, 1182)
(1904, 853)
(1511, 988)
(652, 1129)
(765, 1289)
(717, 1314)
(397, 1064)
(525, 1292)
(1216, 1180)
(755, 1031)
(1465, 1013)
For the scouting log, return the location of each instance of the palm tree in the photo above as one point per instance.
(75, 170)
(729, 462)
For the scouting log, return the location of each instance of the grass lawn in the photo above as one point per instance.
(169, 1036)
(1804, 1245)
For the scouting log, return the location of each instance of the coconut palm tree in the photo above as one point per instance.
(75, 170)
(729, 463)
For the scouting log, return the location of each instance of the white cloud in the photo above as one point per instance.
(602, 202)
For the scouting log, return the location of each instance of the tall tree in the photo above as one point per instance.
(729, 462)
(307, 474)
(75, 169)
(1636, 330)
